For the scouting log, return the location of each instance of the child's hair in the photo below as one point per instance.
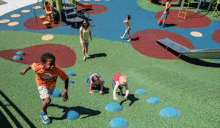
(86, 22)
(123, 78)
(129, 17)
(46, 2)
(46, 56)
(95, 78)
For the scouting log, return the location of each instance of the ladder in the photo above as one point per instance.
(183, 9)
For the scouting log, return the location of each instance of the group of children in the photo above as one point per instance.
(47, 72)
(46, 78)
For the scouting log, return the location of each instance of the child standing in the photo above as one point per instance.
(95, 81)
(48, 11)
(120, 81)
(166, 11)
(128, 27)
(46, 77)
(84, 35)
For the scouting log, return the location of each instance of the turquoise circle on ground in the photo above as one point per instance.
(140, 91)
(71, 81)
(72, 115)
(169, 112)
(16, 57)
(153, 99)
(56, 93)
(113, 107)
(118, 122)
(20, 53)
(70, 73)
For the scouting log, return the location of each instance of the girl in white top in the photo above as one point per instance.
(128, 27)
(85, 35)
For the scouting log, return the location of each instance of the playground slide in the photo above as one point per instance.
(194, 53)
(85, 5)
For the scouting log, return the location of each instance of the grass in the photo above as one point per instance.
(192, 89)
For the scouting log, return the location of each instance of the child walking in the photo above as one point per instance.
(120, 81)
(128, 27)
(46, 77)
(166, 11)
(85, 35)
(95, 81)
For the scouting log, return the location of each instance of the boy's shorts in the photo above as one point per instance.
(45, 91)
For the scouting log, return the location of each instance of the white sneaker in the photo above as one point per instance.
(129, 40)
(122, 37)
(84, 58)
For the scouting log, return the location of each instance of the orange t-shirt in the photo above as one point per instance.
(47, 78)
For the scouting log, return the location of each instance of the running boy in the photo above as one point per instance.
(120, 81)
(46, 77)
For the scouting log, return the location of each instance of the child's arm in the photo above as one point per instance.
(90, 34)
(80, 35)
(127, 92)
(24, 70)
(90, 89)
(114, 91)
(64, 94)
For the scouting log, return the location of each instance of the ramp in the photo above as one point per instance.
(194, 53)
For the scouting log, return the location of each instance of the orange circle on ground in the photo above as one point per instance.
(146, 43)
(15, 15)
(95, 9)
(11, 24)
(216, 36)
(4, 21)
(193, 20)
(36, 7)
(196, 34)
(47, 37)
(25, 11)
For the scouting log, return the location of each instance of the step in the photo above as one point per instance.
(71, 15)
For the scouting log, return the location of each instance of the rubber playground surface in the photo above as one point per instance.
(190, 85)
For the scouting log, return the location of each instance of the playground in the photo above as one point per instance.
(172, 71)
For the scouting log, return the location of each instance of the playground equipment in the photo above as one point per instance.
(216, 7)
(195, 53)
(183, 10)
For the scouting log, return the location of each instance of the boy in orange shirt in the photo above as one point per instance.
(46, 77)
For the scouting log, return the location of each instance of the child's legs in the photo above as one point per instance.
(128, 33)
(45, 96)
(83, 48)
(87, 46)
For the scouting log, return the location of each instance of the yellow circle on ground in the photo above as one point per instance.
(15, 15)
(36, 7)
(196, 34)
(4, 21)
(13, 24)
(47, 37)
(42, 17)
(25, 11)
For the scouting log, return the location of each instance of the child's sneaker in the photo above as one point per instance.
(84, 58)
(101, 92)
(122, 37)
(160, 23)
(45, 118)
(129, 40)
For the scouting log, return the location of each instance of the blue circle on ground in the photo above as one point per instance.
(169, 112)
(113, 107)
(16, 57)
(153, 99)
(140, 91)
(56, 93)
(72, 115)
(20, 53)
(118, 122)
(70, 73)
(71, 81)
